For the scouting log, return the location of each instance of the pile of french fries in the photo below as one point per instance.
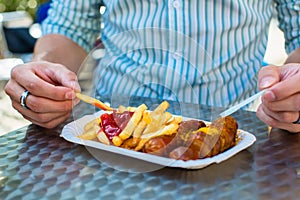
(142, 126)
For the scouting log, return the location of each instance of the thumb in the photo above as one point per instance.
(268, 76)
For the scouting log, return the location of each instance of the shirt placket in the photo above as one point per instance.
(175, 27)
(175, 20)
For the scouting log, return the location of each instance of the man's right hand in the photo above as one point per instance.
(52, 92)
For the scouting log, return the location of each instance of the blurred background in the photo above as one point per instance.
(20, 20)
(20, 28)
(21, 5)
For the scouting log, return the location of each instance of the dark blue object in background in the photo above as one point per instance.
(19, 40)
(42, 12)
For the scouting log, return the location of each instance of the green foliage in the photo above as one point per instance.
(15, 5)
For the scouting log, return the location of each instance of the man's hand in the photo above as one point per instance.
(52, 92)
(280, 105)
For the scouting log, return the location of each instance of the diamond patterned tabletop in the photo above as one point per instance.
(36, 163)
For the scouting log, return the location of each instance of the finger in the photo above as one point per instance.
(48, 120)
(268, 76)
(286, 117)
(44, 105)
(40, 104)
(289, 78)
(291, 103)
(14, 90)
(42, 80)
(49, 124)
(275, 123)
(59, 74)
(265, 117)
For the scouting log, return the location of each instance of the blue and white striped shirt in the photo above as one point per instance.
(206, 52)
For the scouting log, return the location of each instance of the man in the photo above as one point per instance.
(206, 52)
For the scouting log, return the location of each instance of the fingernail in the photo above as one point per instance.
(70, 95)
(73, 84)
(270, 96)
(267, 82)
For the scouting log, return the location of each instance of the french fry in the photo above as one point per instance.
(131, 125)
(164, 130)
(91, 133)
(131, 109)
(130, 143)
(146, 119)
(103, 138)
(142, 126)
(122, 109)
(92, 123)
(88, 135)
(174, 119)
(117, 141)
(133, 122)
(151, 121)
(93, 101)
(162, 107)
(157, 120)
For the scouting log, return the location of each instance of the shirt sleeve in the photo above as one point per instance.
(78, 20)
(289, 22)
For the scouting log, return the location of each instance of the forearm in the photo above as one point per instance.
(294, 57)
(59, 49)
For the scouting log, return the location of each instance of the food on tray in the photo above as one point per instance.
(160, 133)
(93, 101)
(207, 141)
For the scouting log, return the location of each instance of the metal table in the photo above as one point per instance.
(36, 163)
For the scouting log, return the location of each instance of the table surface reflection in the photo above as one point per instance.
(36, 163)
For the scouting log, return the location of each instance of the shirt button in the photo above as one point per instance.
(176, 4)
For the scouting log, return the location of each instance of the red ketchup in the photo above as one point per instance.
(113, 124)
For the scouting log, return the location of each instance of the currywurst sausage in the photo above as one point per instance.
(195, 140)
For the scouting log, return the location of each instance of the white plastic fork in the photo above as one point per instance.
(233, 109)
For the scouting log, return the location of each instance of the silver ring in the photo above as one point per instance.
(298, 121)
(23, 99)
